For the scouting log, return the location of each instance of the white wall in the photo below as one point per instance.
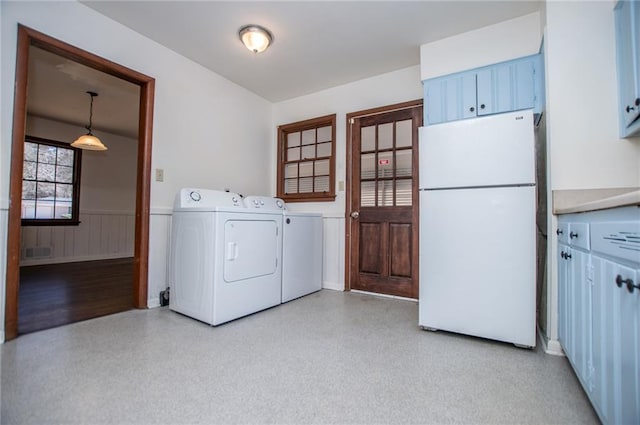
(201, 135)
(485, 46)
(386, 89)
(585, 151)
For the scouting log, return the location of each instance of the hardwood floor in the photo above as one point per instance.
(59, 294)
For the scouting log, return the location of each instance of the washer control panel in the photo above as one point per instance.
(206, 198)
(266, 203)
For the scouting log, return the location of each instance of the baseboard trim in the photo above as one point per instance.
(332, 285)
(550, 346)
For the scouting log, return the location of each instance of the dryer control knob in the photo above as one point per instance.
(279, 203)
(255, 202)
(195, 196)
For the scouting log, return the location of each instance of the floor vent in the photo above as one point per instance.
(36, 252)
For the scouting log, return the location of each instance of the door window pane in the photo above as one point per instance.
(367, 165)
(403, 134)
(385, 136)
(368, 194)
(385, 164)
(367, 138)
(403, 163)
(385, 193)
(404, 192)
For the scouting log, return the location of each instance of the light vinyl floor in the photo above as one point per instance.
(329, 358)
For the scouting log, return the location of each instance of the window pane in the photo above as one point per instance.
(64, 192)
(44, 209)
(324, 134)
(293, 139)
(29, 170)
(28, 190)
(306, 185)
(385, 193)
(403, 134)
(30, 151)
(28, 209)
(291, 170)
(322, 168)
(367, 165)
(367, 139)
(63, 210)
(47, 172)
(403, 192)
(368, 194)
(324, 149)
(385, 136)
(65, 157)
(291, 186)
(306, 169)
(403, 163)
(64, 174)
(385, 164)
(309, 137)
(45, 191)
(47, 154)
(322, 184)
(293, 154)
(308, 152)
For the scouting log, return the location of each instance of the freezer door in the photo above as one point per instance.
(477, 262)
(488, 151)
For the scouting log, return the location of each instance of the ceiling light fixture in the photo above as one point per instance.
(255, 38)
(89, 141)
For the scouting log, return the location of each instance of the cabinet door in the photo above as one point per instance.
(563, 297)
(450, 98)
(616, 339)
(627, 17)
(581, 315)
(506, 87)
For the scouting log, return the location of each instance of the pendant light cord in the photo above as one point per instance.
(92, 94)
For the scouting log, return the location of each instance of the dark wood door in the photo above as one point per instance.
(383, 214)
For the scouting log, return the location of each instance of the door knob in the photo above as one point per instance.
(355, 214)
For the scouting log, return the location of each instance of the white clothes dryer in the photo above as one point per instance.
(225, 259)
(302, 247)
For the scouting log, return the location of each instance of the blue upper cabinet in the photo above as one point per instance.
(627, 20)
(504, 87)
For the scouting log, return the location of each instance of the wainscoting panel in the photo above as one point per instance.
(100, 235)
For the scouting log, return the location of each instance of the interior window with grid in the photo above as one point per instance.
(306, 167)
(50, 183)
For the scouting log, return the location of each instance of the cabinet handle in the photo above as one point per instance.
(559, 232)
(630, 108)
(565, 255)
(637, 102)
(482, 106)
(472, 109)
(628, 282)
(573, 235)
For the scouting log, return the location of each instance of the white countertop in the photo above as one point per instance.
(583, 200)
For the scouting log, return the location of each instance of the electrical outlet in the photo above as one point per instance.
(159, 175)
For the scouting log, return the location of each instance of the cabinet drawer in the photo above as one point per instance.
(617, 239)
(579, 235)
(563, 233)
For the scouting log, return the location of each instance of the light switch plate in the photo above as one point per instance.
(159, 175)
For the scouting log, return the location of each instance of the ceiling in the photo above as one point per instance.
(317, 45)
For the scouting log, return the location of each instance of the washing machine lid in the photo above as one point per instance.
(193, 199)
(264, 203)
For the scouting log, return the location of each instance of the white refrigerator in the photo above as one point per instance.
(478, 228)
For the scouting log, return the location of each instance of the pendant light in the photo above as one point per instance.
(89, 141)
(255, 38)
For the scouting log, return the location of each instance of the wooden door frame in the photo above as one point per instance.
(28, 37)
(349, 177)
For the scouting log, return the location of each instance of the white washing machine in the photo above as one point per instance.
(301, 248)
(225, 258)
